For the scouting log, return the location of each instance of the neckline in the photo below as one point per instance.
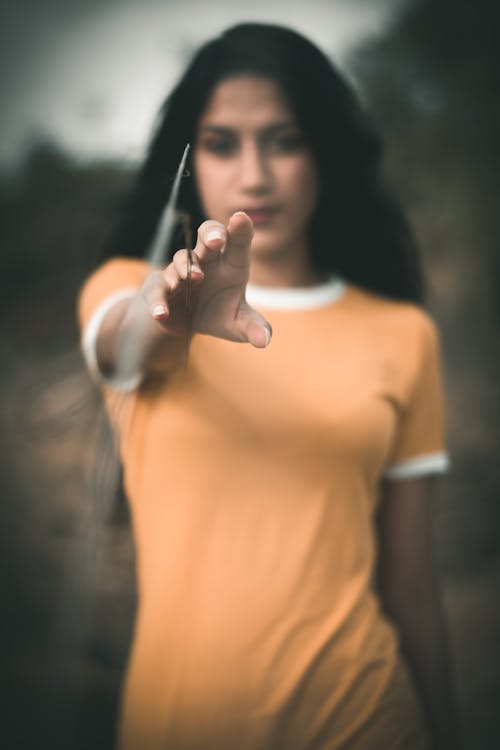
(296, 298)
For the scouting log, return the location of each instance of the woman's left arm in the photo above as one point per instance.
(410, 596)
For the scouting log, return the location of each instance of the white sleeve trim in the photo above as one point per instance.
(89, 343)
(410, 468)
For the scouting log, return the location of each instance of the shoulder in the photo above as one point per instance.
(396, 319)
(118, 271)
(115, 277)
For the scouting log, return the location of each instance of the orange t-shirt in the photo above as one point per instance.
(253, 478)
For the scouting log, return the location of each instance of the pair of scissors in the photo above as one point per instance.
(132, 349)
(157, 254)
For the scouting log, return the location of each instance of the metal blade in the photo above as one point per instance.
(157, 254)
(132, 349)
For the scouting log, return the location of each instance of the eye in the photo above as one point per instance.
(220, 145)
(286, 142)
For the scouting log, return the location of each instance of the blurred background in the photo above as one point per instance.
(80, 84)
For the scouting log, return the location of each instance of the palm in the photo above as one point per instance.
(219, 307)
(219, 302)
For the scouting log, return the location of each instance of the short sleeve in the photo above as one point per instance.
(419, 446)
(117, 279)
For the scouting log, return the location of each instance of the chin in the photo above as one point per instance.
(263, 251)
(266, 244)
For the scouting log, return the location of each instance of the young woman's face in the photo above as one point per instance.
(250, 155)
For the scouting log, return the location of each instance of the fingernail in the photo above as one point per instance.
(159, 311)
(215, 234)
(268, 335)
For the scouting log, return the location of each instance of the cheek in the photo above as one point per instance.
(202, 177)
(211, 186)
(304, 183)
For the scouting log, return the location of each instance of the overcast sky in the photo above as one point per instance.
(91, 74)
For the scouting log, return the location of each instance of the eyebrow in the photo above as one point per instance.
(268, 129)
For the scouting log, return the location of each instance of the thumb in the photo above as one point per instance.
(253, 327)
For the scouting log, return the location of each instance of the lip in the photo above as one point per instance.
(261, 215)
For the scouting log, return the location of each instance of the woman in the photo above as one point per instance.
(270, 484)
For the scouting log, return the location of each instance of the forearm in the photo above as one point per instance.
(130, 340)
(421, 623)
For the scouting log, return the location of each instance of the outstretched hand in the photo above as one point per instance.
(219, 274)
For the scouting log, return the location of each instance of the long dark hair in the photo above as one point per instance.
(358, 231)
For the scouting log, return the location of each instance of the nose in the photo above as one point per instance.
(255, 172)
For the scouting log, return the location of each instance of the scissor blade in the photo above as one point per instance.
(157, 254)
(132, 349)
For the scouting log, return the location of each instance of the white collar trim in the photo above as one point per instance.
(296, 298)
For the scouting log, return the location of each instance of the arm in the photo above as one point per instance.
(134, 329)
(410, 596)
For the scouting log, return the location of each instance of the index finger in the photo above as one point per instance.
(211, 239)
(239, 240)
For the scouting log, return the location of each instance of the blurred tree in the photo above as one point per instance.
(433, 83)
(54, 214)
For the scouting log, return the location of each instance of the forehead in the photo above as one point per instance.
(246, 100)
